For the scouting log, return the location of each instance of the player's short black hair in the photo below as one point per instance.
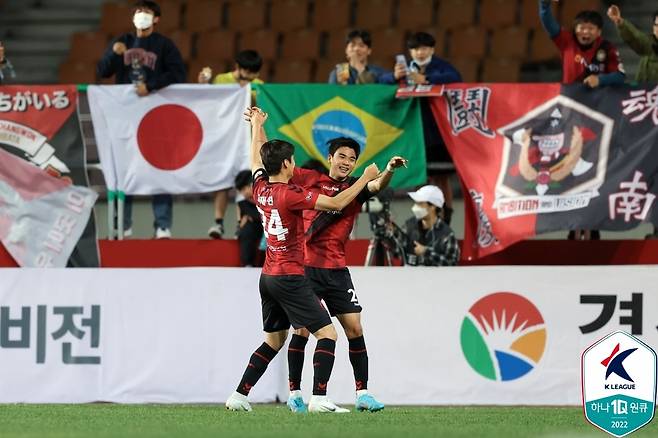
(148, 4)
(655, 14)
(243, 179)
(592, 17)
(420, 39)
(249, 60)
(273, 153)
(339, 142)
(314, 164)
(359, 33)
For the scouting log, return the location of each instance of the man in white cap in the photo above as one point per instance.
(430, 241)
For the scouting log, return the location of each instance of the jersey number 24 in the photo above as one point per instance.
(275, 226)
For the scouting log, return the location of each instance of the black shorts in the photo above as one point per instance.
(289, 300)
(335, 287)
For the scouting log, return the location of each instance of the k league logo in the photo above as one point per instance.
(619, 383)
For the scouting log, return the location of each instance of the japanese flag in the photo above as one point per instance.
(181, 139)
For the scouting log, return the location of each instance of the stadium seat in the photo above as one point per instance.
(416, 14)
(335, 44)
(88, 46)
(572, 7)
(183, 40)
(501, 70)
(511, 42)
(542, 49)
(246, 15)
(530, 13)
(332, 15)
(77, 72)
(203, 15)
(266, 42)
(116, 18)
(467, 67)
(387, 43)
(292, 71)
(495, 14)
(215, 45)
(374, 14)
(323, 69)
(456, 14)
(171, 16)
(468, 42)
(217, 65)
(288, 15)
(301, 44)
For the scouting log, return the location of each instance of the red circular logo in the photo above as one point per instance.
(169, 136)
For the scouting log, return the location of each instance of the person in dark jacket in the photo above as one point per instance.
(429, 240)
(6, 69)
(250, 227)
(150, 61)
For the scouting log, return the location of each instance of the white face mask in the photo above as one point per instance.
(419, 212)
(424, 62)
(143, 20)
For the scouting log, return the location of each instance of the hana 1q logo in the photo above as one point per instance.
(619, 383)
(503, 336)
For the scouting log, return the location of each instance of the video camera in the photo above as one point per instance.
(388, 241)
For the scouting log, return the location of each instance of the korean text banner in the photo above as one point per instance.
(40, 125)
(310, 115)
(536, 158)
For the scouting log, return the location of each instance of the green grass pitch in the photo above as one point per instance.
(109, 420)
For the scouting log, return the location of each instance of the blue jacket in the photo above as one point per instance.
(438, 71)
(375, 70)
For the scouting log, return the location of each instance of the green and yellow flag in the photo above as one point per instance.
(309, 115)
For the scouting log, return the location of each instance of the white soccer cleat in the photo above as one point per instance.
(238, 402)
(163, 233)
(322, 404)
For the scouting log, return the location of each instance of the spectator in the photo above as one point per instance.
(429, 241)
(357, 70)
(246, 71)
(646, 46)
(250, 228)
(426, 68)
(6, 69)
(586, 58)
(150, 61)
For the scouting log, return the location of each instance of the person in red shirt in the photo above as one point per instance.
(326, 269)
(586, 57)
(286, 296)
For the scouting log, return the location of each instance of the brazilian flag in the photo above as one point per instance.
(309, 115)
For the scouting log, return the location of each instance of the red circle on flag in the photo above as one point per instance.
(169, 136)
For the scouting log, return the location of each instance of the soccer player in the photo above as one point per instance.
(326, 268)
(286, 296)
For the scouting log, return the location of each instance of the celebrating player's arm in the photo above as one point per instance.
(257, 118)
(383, 180)
(343, 199)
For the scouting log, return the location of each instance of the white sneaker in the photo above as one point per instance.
(163, 233)
(322, 404)
(216, 231)
(128, 232)
(238, 402)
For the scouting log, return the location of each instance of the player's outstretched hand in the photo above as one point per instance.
(371, 172)
(614, 13)
(397, 162)
(255, 116)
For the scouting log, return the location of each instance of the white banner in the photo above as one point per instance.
(181, 139)
(473, 335)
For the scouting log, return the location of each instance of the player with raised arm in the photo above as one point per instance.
(286, 296)
(326, 269)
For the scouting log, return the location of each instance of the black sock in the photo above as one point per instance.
(323, 363)
(359, 360)
(257, 365)
(219, 221)
(296, 361)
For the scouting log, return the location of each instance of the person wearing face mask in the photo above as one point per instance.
(150, 61)
(427, 68)
(357, 70)
(429, 240)
(246, 71)
(586, 57)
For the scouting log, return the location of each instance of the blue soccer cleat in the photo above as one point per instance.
(296, 403)
(366, 402)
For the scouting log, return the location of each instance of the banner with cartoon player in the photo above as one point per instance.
(40, 125)
(309, 115)
(536, 158)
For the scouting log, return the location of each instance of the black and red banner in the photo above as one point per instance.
(536, 158)
(40, 125)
